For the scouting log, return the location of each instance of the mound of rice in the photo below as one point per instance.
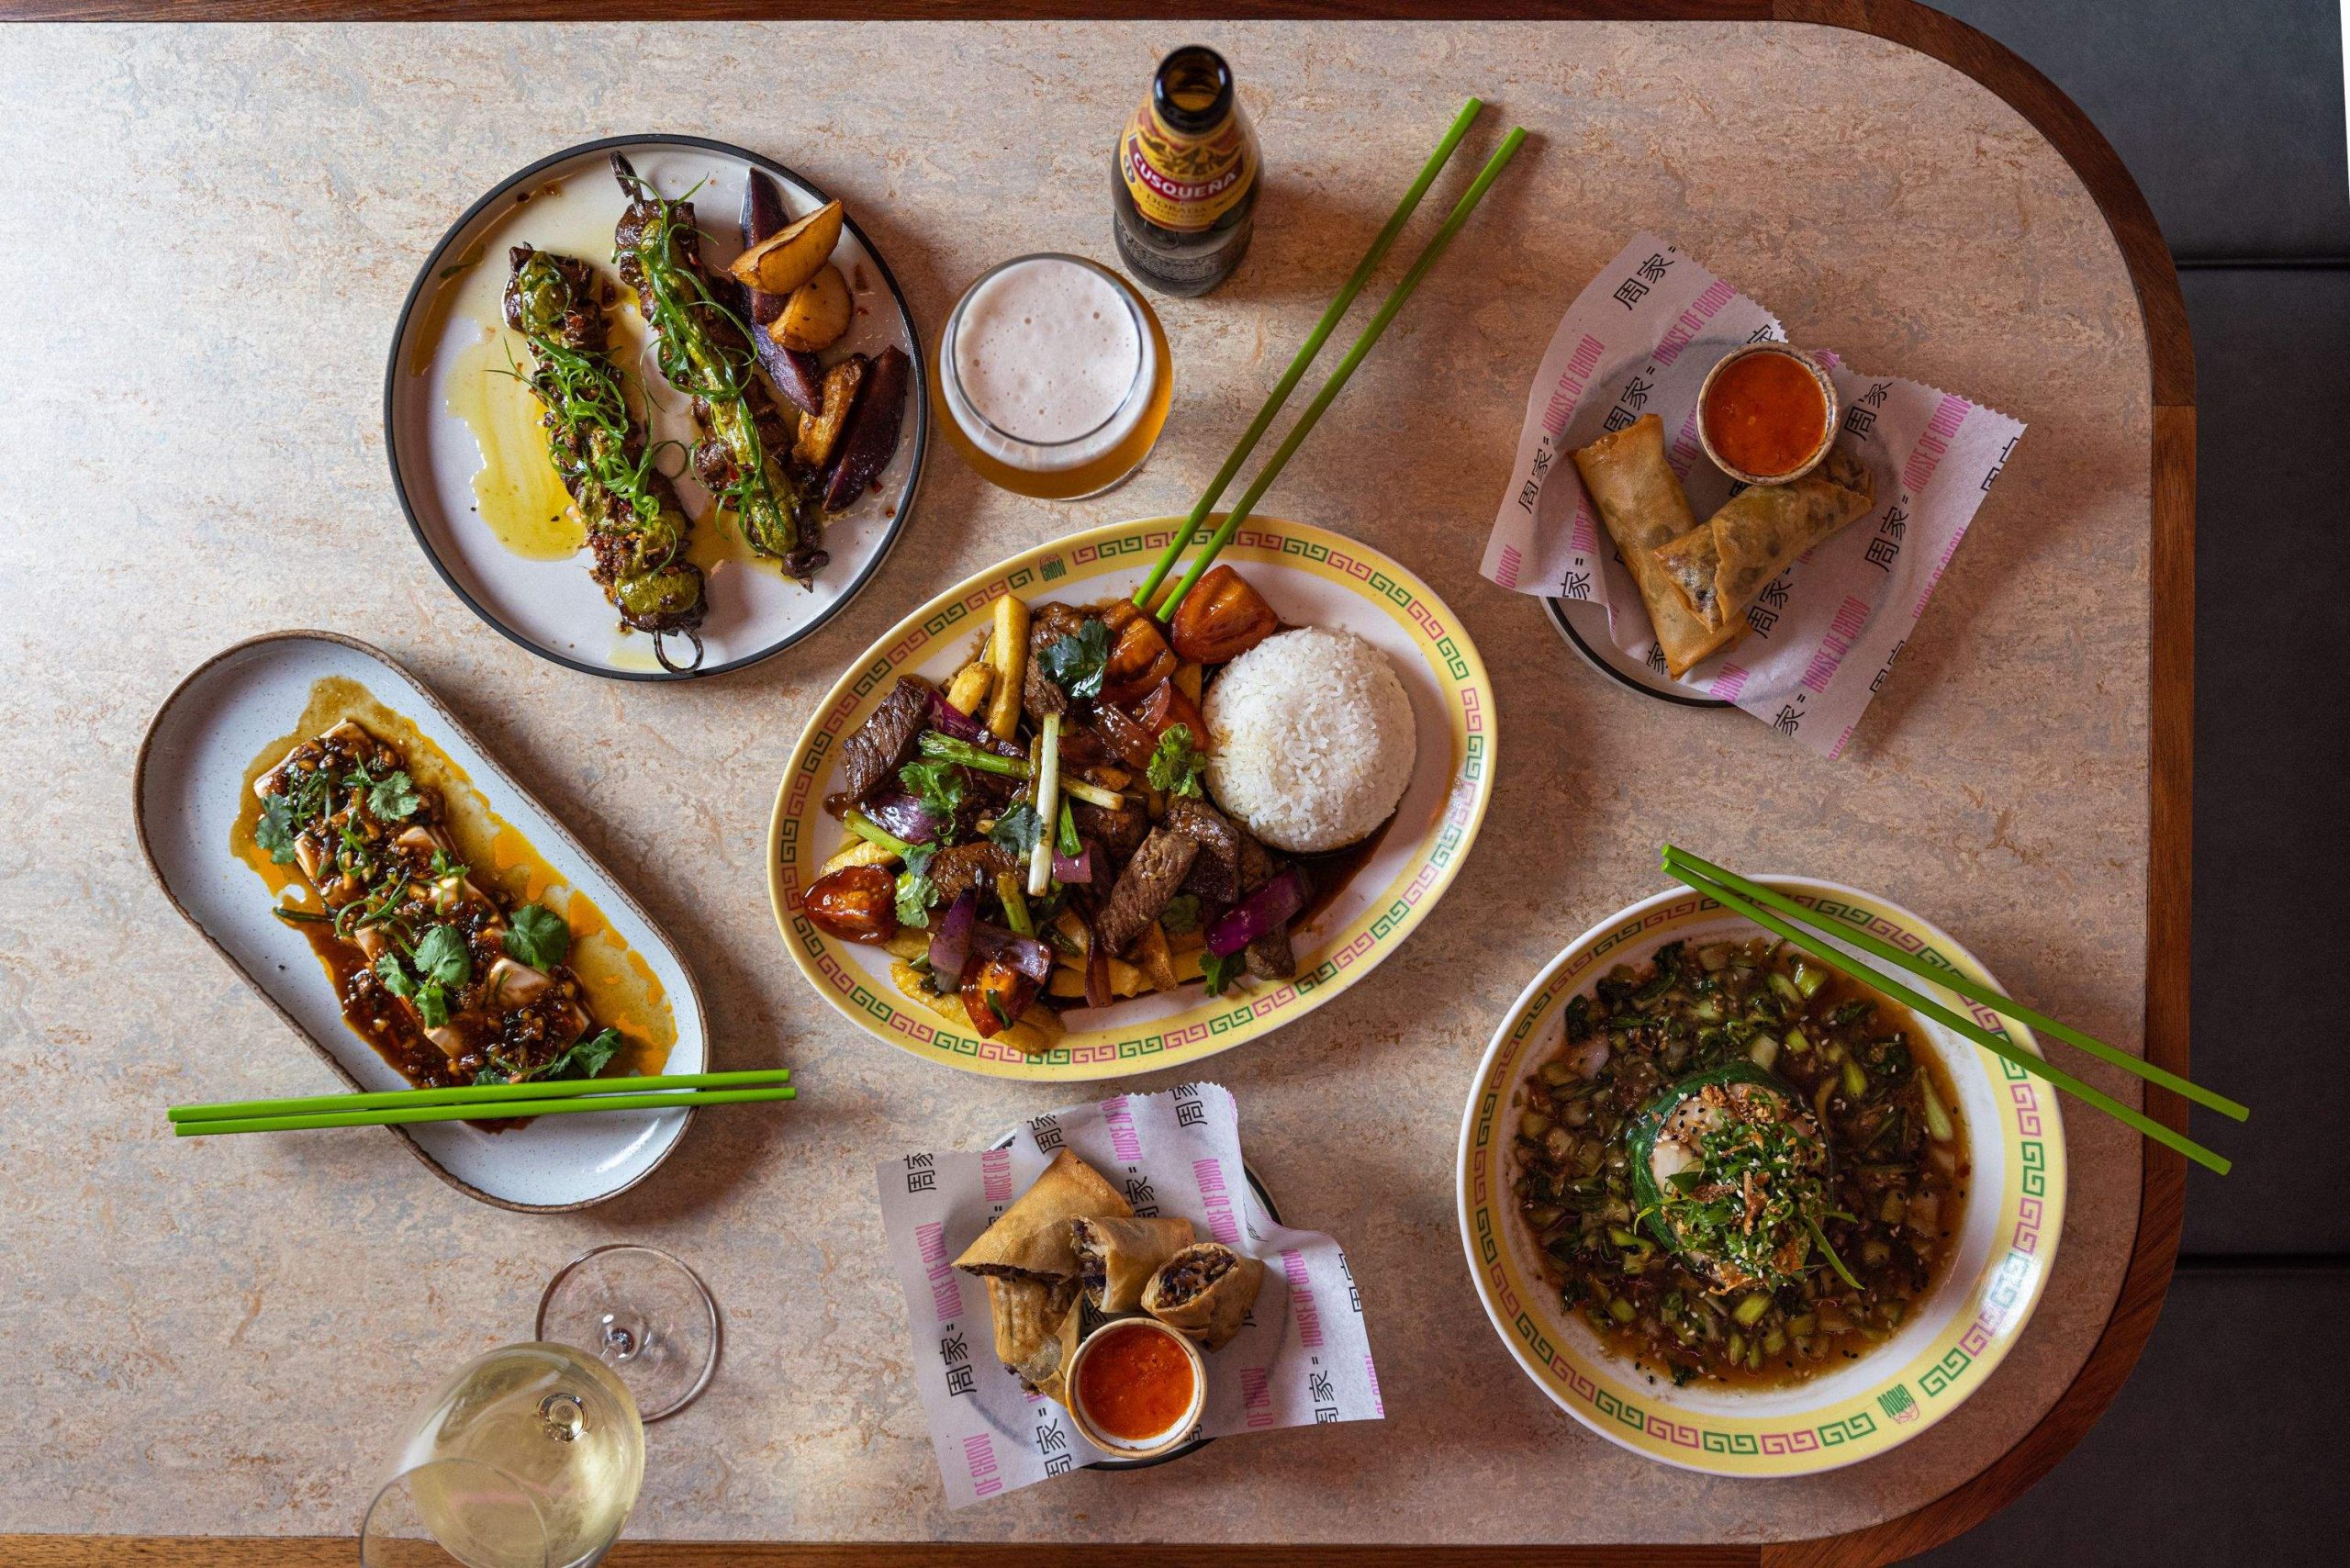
(1310, 739)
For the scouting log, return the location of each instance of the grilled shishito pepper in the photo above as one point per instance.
(635, 527)
(704, 352)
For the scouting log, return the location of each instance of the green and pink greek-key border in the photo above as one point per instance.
(1251, 1015)
(1939, 1384)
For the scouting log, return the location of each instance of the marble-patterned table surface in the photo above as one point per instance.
(209, 232)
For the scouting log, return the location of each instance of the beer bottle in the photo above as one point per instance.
(1183, 179)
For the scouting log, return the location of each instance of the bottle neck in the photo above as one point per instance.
(1187, 157)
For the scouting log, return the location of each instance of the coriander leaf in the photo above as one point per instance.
(1017, 830)
(1175, 765)
(493, 1075)
(1075, 663)
(389, 970)
(393, 797)
(1220, 971)
(939, 784)
(915, 890)
(275, 830)
(537, 937)
(432, 1002)
(585, 1060)
(1181, 915)
(441, 958)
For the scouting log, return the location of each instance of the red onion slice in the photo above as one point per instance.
(950, 944)
(1260, 913)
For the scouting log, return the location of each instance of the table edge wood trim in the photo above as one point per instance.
(2170, 363)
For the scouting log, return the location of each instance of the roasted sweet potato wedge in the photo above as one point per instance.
(819, 434)
(794, 253)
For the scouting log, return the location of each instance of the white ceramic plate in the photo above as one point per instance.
(188, 793)
(569, 203)
(1946, 1347)
(1312, 578)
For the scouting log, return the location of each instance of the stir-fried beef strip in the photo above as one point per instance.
(1270, 956)
(1153, 875)
(1119, 831)
(1049, 624)
(883, 743)
(958, 870)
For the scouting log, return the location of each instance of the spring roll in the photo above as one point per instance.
(1046, 1370)
(1640, 501)
(1203, 1291)
(1027, 1313)
(1030, 1238)
(1116, 1258)
(1719, 567)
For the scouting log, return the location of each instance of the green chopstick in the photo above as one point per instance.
(1973, 990)
(481, 1111)
(2006, 1049)
(1364, 344)
(395, 1099)
(1307, 352)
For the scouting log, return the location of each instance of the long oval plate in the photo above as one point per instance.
(451, 344)
(1946, 1346)
(186, 796)
(1313, 578)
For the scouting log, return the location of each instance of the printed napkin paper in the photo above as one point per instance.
(1302, 1355)
(1825, 634)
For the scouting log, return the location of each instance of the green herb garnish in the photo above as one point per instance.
(1077, 661)
(916, 892)
(1181, 915)
(1017, 830)
(1175, 765)
(537, 937)
(938, 784)
(1221, 971)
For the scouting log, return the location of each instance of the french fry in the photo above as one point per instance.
(858, 852)
(912, 942)
(1152, 958)
(1008, 651)
(969, 687)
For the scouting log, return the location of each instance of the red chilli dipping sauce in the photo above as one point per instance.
(1136, 1382)
(1764, 414)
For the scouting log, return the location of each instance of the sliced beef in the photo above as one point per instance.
(1119, 831)
(882, 745)
(1270, 956)
(1152, 877)
(966, 866)
(1047, 625)
(1215, 872)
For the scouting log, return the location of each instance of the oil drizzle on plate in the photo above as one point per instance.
(516, 490)
(621, 989)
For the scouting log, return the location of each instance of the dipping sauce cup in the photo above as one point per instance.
(1137, 1388)
(1053, 378)
(1767, 413)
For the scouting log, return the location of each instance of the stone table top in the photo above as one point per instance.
(211, 234)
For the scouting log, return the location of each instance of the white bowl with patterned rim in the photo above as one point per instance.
(1312, 578)
(1947, 1345)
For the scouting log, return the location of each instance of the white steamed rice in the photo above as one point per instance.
(1310, 739)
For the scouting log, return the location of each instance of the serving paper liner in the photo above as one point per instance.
(1638, 340)
(1302, 1354)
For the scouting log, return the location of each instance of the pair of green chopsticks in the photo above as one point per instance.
(1749, 899)
(1313, 346)
(492, 1101)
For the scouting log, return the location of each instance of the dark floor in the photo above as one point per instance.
(2229, 114)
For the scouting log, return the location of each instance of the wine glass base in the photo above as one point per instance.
(645, 1314)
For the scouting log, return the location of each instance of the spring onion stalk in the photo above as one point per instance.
(1938, 1123)
(1015, 908)
(1093, 794)
(873, 832)
(947, 748)
(1048, 804)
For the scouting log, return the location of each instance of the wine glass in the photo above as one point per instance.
(642, 1314)
(529, 1456)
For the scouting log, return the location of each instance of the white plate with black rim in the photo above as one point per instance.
(1583, 624)
(468, 458)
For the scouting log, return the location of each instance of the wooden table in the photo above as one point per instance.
(212, 230)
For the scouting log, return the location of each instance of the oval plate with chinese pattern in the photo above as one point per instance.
(1313, 578)
(1963, 1329)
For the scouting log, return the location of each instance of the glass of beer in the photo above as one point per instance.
(1053, 378)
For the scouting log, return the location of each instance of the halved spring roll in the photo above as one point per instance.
(1116, 1258)
(1719, 567)
(1030, 1238)
(1639, 498)
(1203, 1291)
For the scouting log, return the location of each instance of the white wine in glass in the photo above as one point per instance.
(529, 1457)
